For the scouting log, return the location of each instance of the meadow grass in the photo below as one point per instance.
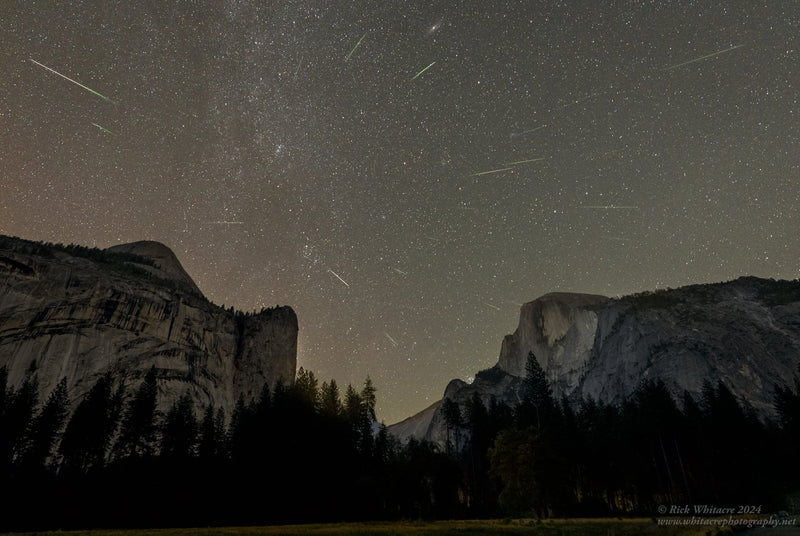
(556, 527)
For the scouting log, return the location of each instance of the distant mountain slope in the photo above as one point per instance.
(74, 312)
(417, 425)
(745, 333)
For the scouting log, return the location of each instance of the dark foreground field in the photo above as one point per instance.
(572, 527)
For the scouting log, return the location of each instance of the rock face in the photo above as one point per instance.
(560, 329)
(745, 333)
(417, 425)
(79, 313)
(164, 262)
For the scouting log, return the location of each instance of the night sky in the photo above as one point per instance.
(295, 153)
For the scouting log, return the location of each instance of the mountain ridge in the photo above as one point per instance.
(744, 332)
(76, 312)
(163, 260)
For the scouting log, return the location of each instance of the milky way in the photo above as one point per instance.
(406, 174)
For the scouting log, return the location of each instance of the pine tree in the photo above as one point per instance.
(179, 433)
(367, 419)
(17, 420)
(138, 431)
(537, 398)
(368, 398)
(87, 437)
(47, 427)
(221, 434)
(305, 387)
(352, 406)
(239, 432)
(264, 404)
(452, 419)
(384, 448)
(352, 414)
(329, 402)
(209, 448)
(514, 461)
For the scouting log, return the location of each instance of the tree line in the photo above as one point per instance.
(546, 457)
(298, 453)
(307, 452)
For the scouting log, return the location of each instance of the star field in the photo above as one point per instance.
(406, 174)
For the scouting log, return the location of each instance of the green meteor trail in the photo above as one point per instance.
(524, 161)
(104, 129)
(702, 57)
(71, 80)
(491, 171)
(423, 70)
(355, 47)
(399, 271)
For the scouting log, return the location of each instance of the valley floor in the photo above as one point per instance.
(562, 527)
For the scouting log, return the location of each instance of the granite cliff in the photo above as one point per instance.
(78, 313)
(745, 333)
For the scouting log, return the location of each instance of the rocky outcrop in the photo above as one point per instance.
(162, 262)
(417, 425)
(491, 384)
(78, 313)
(560, 329)
(745, 333)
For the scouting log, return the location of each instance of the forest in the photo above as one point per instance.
(307, 452)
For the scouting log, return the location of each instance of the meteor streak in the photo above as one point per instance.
(524, 161)
(104, 129)
(339, 278)
(399, 271)
(298, 67)
(71, 80)
(355, 47)
(517, 134)
(492, 306)
(423, 70)
(610, 207)
(492, 171)
(702, 57)
(390, 338)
